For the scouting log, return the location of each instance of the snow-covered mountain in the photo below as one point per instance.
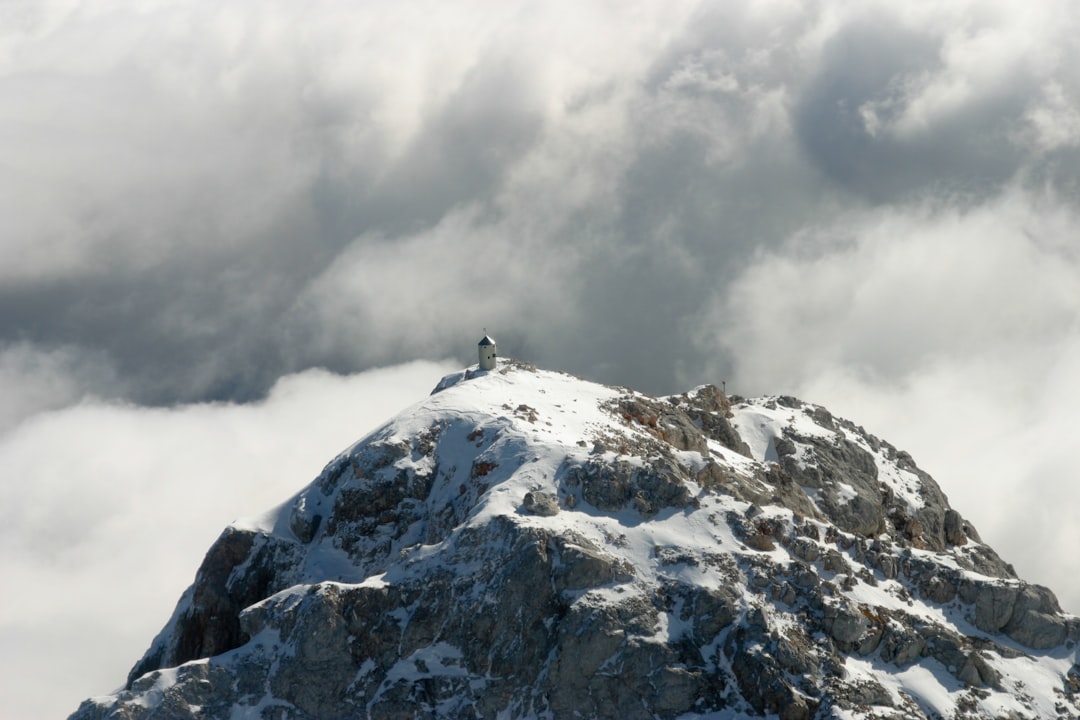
(525, 544)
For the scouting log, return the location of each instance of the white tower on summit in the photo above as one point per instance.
(486, 348)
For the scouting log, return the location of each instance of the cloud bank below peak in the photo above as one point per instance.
(106, 510)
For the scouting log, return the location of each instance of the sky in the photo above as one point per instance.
(236, 236)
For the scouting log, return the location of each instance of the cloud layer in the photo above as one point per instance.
(206, 196)
(106, 511)
(869, 205)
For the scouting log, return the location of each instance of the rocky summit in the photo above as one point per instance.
(525, 544)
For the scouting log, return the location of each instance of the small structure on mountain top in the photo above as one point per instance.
(486, 348)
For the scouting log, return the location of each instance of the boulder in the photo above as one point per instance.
(541, 503)
(1036, 619)
(846, 624)
(994, 604)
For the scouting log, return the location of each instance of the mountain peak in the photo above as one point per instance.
(524, 543)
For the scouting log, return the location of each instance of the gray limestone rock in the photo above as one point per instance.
(994, 604)
(1036, 619)
(977, 672)
(523, 616)
(710, 610)
(833, 467)
(606, 486)
(303, 521)
(901, 645)
(945, 646)
(954, 528)
(709, 409)
(869, 692)
(240, 569)
(316, 675)
(845, 624)
(937, 589)
(541, 503)
(578, 564)
(612, 486)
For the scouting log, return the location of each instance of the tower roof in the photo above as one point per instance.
(486, 340)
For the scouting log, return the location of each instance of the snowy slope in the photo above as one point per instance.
(527, 544)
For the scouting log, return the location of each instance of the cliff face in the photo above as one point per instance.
(527, 544)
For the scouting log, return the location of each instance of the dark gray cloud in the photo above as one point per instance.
(183, 181)
(863, 88)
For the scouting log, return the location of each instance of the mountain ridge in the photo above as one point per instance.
(523, 543)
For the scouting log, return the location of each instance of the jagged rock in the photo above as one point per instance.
(659, 486)
(944, 646)
(1072, 680)
(869, 692)
(954, 528)
(712, 476)
(316, 675)
(710, 410)
(871, 641)
(237, 571)
(888, 565)
(431, 572)
(711, 610)
(605, 486)
(845, 624)
(978, 673)
(610, 487)
(1036, 620)
(835, 466)
(795, 653)
(834, 562)
(805, 549)
(663, 421)
(578, 564)
(775, 486)
(764, 685)
(994, 604)
(937, 589)
(901, 645)
(680, 432)
(784, 447)
(304, 522)
(590, 638)
(785, 593)
(983, 560)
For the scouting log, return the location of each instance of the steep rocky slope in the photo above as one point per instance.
(526, 544)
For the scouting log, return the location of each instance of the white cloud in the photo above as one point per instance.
(36, 379)
(1054, 122)
(106, 511)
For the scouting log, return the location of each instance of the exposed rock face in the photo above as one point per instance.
(526, 545)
